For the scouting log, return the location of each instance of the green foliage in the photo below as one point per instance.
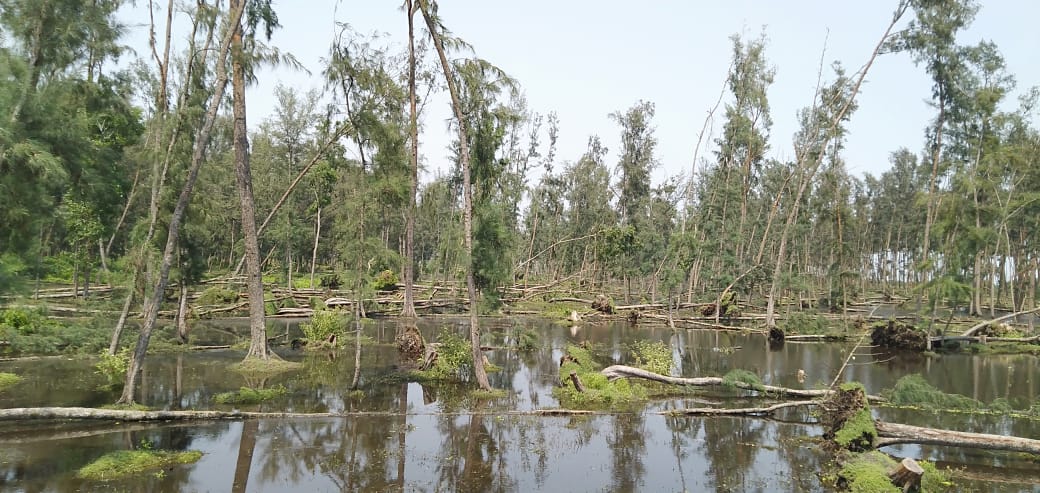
(653, 356)
(914, 390)
(868, 473)
(125, 463)
(738, 378)
(527, 340)
(858, 432)
(806, 323)
(113, 366)
(247, 396)
(599, 391)
(385, 281)
(30, 331)
(323, 324)
(316, 303)
(217, 295)
(454, 358)
(8, 380)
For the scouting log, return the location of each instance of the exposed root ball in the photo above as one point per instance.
(897, 335)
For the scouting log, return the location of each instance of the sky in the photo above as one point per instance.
(586, 59)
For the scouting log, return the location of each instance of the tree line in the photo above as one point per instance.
(141, 175)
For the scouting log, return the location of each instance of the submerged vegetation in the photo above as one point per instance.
(8, 380)
(125, 463)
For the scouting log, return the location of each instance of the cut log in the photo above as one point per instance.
(621, 371)
(907, 475)
(894, 434)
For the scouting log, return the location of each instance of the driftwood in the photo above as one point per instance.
(984, 339)
(977, 327)
(622, 371)
(577, 383)
(894, 434)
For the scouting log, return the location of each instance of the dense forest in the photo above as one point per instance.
(141, 196)
(144, 176)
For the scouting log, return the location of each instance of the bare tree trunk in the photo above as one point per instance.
(803, 154)
(151, 307)
(317, 237)
(467, 193)
(244, 182)
(409, 242)
(182, 313)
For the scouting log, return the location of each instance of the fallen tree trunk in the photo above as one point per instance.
(984, 339)
(127, 416)
(621, 371)
(894, 434)
(746, 411)
(980, 326)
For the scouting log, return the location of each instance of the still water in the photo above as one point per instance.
(435, 438)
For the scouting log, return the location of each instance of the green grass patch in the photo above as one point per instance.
(599, 391)
(247, 396)
(913, 390)
(868, 473)
(124, 463)
(8, 380)
(454, 359)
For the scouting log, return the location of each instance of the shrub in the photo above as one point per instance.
(454, 358)
(32, 332)
(385, 281)
(323, 324)
(113, 366)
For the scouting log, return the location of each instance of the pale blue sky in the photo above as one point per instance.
(586, 59)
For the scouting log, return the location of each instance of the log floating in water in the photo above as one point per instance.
(894, 434)
(745, 411)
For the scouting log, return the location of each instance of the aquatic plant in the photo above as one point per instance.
(598, 390)
(913, 390)
(454, 359)
(124, 463)
(653, 356)
(731, 379)
(324, 324)
(247, 396)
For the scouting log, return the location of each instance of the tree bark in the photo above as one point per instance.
(182, 313)
(467, 193)
(894, 434)
(244, 181)
(151, 308)
(413, 126)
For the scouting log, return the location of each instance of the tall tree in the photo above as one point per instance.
(413, 131)
(202, 137)
(429, 11)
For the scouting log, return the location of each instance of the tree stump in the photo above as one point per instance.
(577, 383)
(907, 475)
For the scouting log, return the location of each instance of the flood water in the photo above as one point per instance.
(435, 438)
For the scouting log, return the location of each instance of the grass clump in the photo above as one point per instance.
(217, 295)
(914, 391)
(124, 463)
(868, 473)
(324, 324)
(653, 356)
(247, 396)
(599, 391)
(742, 379)
(454, 359)
(31, 331)
(8, 380)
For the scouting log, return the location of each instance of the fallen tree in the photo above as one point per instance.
(621, 371)
(895, 434)
(977, 327)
